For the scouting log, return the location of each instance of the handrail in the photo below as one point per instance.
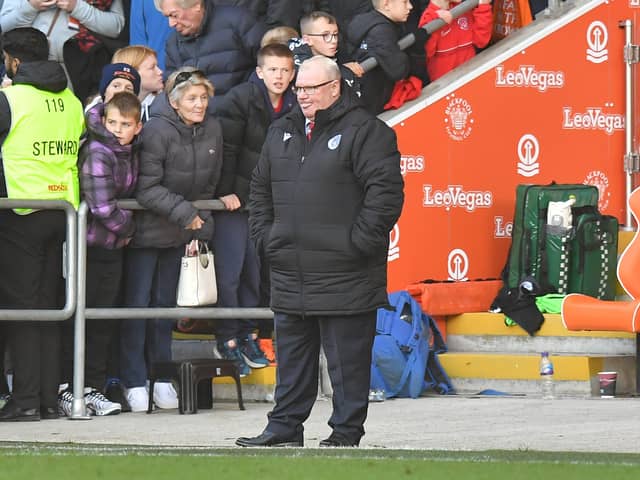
(69, 265)
(78, 406)
(408, 40)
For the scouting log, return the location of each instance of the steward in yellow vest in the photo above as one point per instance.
(40, 150)
(41, 122)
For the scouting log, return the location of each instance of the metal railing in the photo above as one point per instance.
(408, 40)
(78, 410)
(69, 262)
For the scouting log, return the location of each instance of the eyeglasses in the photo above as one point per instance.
(185, 76)
(311, 89)
(327, 37)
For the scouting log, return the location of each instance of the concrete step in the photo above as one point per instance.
(484, 353)
(575, 375)
(486, 332)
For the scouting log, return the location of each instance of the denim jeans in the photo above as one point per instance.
(151, 279)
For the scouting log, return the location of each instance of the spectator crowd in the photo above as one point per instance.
(169, 102)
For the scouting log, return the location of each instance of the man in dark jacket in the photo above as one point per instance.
(222, 41)
(37, 113)
(324, 196)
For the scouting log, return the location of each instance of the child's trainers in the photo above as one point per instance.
(266, 345)
(65, 403)
(252, 354)
(233, 353)
(138, 399)
(100, 405)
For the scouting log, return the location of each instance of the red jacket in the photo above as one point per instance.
(454, 44)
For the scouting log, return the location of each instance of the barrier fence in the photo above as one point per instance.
(75, 266)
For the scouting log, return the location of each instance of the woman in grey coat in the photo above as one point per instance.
(180, 161)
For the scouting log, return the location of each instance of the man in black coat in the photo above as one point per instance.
(324, 196)
(222, 41)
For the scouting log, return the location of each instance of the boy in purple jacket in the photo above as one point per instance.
(108, 165)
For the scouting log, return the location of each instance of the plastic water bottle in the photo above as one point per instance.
(546, 377)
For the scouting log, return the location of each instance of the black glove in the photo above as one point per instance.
(421, 37)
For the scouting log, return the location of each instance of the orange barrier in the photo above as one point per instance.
(451, 298)
(580, 312)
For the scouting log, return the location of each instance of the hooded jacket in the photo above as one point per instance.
(371, 34)
(108, 173)
(321, 210)
(224, 49)
(44, 75)
(245, 114)
(178, 164)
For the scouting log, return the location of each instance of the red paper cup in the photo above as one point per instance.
(607, 384)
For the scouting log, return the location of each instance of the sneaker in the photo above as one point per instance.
(233, 353)
(253, 356)
(266, 345)
(164, 395)
(114, 391)
(65, 403)
(100, 405)
(138, 398)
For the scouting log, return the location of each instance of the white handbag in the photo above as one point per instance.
(197, 283)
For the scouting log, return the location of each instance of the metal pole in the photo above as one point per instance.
(79, 406)
(631, 160)
(408, 40)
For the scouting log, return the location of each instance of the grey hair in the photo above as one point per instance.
(181, 3)
(327, 64)
(175, 92)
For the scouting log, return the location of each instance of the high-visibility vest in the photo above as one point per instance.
(40, 153)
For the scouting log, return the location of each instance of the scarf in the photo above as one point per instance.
(85, 38)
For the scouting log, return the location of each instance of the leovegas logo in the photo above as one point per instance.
(528, 152)
(458, 265)
(394, 244)
(458, 120)
(527, 76)
(600, 180)
(597, 39)
(455, 196)
(61, 187)
(593, 118)
(411, 164)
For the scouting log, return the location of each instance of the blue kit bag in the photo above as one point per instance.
(405, 351)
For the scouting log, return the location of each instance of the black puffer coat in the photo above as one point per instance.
(371, 34)
(245, 114)
(225, 48)
(178, 164)
(321, 210)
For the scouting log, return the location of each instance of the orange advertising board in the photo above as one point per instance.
(554, 111)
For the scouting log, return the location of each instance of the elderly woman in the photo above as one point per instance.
(180, 161)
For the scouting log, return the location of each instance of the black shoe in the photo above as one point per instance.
(49, 413)
(338, 440)
(270, 439)
(115, 393)
(12, 413)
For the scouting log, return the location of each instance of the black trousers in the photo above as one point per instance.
(347, 341)
(31, 266)
(104, 281)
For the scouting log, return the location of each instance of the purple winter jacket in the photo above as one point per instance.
(108, 172)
